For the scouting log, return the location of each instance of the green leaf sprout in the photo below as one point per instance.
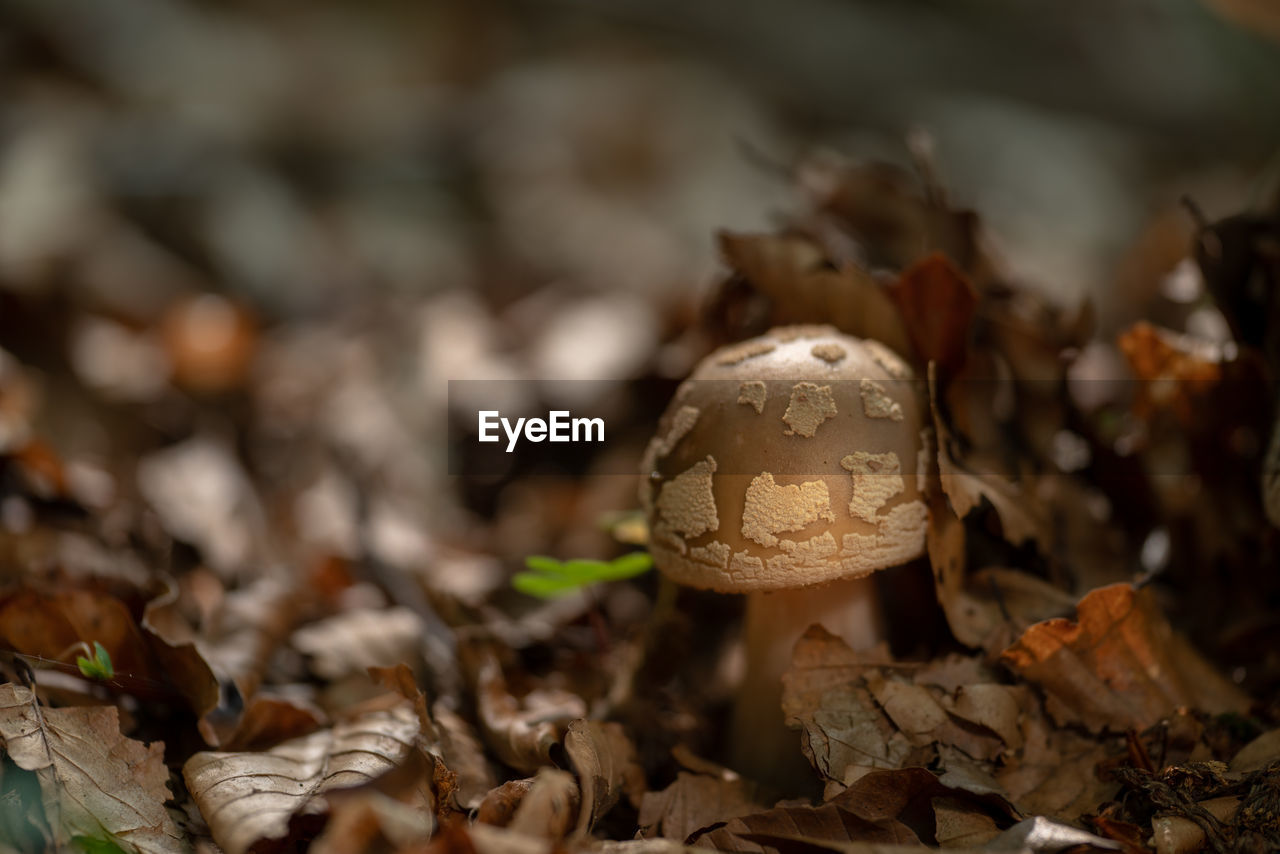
(548, 578)
(99, 667)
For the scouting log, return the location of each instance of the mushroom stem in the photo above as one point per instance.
(762, 748)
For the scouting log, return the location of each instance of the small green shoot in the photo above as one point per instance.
(548, 578)
(99, 667)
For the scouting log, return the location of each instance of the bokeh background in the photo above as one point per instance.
(349, 204)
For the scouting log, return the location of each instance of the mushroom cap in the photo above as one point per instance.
(792, 459)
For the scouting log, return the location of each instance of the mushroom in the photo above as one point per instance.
(789, 467)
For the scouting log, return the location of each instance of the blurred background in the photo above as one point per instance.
(264, 235)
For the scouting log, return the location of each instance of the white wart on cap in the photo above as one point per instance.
(792, 459)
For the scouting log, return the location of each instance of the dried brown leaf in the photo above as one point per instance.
(397, 809)
(806, 288)
(804, 825)
(462, 753)
(988, 608)
(272, 717)
(93, 779)
(842, 731)
(937, 304)
(486, 839)
(251, 623)
(249, 798)
(892, 218)
(693, 802)
(857, 714)
(371, 822)
(882, 806)
(959, 824)
(1119, 665)
(1055, 774)
(1021, 517)
(52, 623)
(522, 732)
(605, 761)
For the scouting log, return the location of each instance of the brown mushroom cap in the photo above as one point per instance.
(791, 459)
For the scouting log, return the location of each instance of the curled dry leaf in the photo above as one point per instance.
(487, 839)
(605, 761)
(1021, 517)
(49, 623)
(551, 806)
(451, 741)
(522, 732)
(694, 802)
(1119, 665)
(398, 807)
(500, 803)
(806, 288)
(75, 753)
(462, 754)
(372, 822)
(248, 798)
(248, 627)
(988, 608)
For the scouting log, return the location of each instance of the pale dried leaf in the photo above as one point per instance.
(994, 707)
(1055, 775)
(1259, 753)
(250, 797)
(1044, 836)
(356, 640)
(93, 779)
(1119, 666)
(203, 496)
(605, 761)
